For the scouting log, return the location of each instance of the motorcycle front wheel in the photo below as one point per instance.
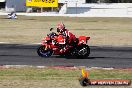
(44, 52)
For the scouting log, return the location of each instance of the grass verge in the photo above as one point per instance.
(103, 31)
(56, 78)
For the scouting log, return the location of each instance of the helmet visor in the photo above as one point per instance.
(58, 30)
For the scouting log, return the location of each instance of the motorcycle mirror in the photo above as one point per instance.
(51, 29)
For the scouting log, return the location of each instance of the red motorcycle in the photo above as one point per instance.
(53, 43)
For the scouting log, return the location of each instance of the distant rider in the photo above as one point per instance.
(12, 15)
(70, 38)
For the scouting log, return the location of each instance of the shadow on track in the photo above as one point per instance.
(90, 57)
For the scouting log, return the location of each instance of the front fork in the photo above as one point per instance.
(47, 46)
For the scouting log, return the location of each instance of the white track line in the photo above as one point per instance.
(4, 42)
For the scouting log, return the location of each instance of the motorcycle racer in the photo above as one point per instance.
(70, 38)
(64, 43)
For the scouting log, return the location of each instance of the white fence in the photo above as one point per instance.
(113, 9)
(82, 10)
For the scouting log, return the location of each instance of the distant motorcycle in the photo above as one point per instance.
(52, 44)
(12, 15)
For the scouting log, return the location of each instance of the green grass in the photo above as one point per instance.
(111, 74)
(31, 77)
(37, 74)
(46, 73)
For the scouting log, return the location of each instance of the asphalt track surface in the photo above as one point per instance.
(16, 54)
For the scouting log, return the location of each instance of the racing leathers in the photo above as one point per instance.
(70, 39)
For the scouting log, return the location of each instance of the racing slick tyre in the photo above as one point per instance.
(83, 51)
(44, 53)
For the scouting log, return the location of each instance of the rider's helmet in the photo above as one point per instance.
(60, 27)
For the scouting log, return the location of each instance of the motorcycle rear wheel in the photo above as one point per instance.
(83, 51)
